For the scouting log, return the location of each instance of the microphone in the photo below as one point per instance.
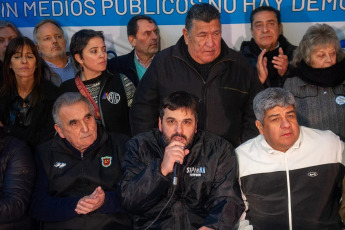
(175, 173)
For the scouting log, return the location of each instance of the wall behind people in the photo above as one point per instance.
(111, 16)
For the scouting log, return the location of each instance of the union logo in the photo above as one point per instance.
(106, 161)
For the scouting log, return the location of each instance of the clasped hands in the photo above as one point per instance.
(91, 202)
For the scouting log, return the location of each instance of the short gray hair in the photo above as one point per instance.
(66, 99)
(318, 34)
(41, 23)
(270, 98)
(201, 12)
(4, 24)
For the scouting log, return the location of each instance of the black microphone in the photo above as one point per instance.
(175, 173)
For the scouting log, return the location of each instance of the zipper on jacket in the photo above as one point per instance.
(288, 189)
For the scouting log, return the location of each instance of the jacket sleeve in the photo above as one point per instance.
(249, 129)
(18, 181)
(144, 111)
(142, 185)
(225, 205)
(45, 207)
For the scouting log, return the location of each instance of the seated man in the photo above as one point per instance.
(78, 171)
(206, 194)
(143, 34)
(290, 175)
(268, 40)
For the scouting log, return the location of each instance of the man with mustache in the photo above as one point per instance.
(51, 43)
(201, 63)
(269, 42)
(201, 191)
(143, 35)
(290, 175)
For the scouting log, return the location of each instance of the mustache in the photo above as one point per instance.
(178, 135)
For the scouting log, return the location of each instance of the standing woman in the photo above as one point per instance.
(318, 80)
(17, 175)
(110, 95)
(26, 99)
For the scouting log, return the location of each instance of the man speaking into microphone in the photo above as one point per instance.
(206, 194)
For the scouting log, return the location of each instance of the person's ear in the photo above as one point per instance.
(160, 124)
(185, 35)
(260, 127)
(59, 131)
(132, 40)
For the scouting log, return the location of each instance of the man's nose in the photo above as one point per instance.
(84, 127)
(178, 128)
(209, 40)
(285, 123)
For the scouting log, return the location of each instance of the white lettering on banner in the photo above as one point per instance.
(148, 12)
(42, 8)
(73, 10)
(133, 6)
(93, 10)
(329, 1)
(164, 7)
(245, 4)
(54, 9)
(278, 4)
(342, 6)
(309, 5)
(178, 7)
(226, 7)
(106, 7)
(27, 7)
(9, 9)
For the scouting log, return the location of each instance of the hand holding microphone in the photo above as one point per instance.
(174, 152)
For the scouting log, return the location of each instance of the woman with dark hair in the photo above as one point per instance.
(17, 174)
(26, 99)
(110, 94)
(318, 80)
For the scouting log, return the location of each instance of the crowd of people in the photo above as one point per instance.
(194, 136)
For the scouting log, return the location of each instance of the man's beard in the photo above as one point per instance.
(168, 140)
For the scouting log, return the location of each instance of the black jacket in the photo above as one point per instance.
(226, 97)
(114, 113)
(64, 177)
(207, 193)
(17, 174)
(124, 64)
(251, 50)
(41, 127)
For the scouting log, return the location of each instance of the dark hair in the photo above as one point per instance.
(9, 85)
(201, 12)
(261, 9)
(79, 41)
(132, 26)
(4, 24)
(41, 23)
(177, 100)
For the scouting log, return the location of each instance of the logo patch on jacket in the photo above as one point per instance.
(59, 165)
(196, 171)
(112, 97)
(106, 161)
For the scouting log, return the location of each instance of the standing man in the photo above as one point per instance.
(143, 34)
(290, 176)
(8, 31)
(51, 44)
(78, 172)
(202, 64)
(268, 40)
(206, 194)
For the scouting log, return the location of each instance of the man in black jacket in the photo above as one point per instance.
(178, 177)
(269, 45)
(78, 171)
(202, 64)
(143, 35)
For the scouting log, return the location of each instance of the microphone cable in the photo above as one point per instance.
(172, 194)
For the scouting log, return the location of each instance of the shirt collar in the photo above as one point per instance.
(51, 65)
(140, 62)
(274, 48)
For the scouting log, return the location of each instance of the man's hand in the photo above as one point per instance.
(173, 152)
(1, 125)
(281, 62)
(205, 228)
(261, 67)
(92, 202)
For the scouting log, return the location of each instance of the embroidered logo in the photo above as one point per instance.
(340, 100)
(106, 161)
(59, 165)
(313, 174)
(112, 97)
(196, 171)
